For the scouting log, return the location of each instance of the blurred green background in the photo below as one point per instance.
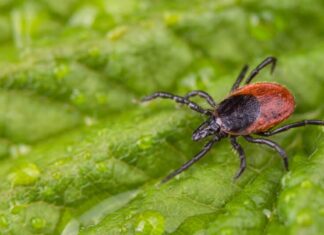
(80, 155)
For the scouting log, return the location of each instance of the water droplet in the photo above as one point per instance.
(150, 222)
(101, 98)
(62, 161)
(86, 155)
(57, 175)
(285, 179)
(306, 184)
(117, 33)
(84, 17)
(249, 203)
(267, 213)
(265, 25)
(226, 231)
(289, 196)
(47, 192)
(101, 166)
(3, 222)
(304, 218)
(38, 223)
(94, 52)
(61, 71)
(69, 149)
(145, 142)
(321, 211)
(171, 19)
(25, 174)
(89, 121)
(16, 209)
(77, 97)
(19, 150)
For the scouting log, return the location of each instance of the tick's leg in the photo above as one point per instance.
(271, 144)
(202, 94)
(292, 125)
(202, 126)
(238, 148)
(269, 60)
(240, 78)
(178, 99)
(197, 157)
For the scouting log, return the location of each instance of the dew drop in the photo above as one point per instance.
(226, 231)
(289, 196)
(61, 71)
(117, 33)
(47, 192)
(306, 184)
(38, 223)
(101, 166)
(84, 17)
(267, 213)
(101, 98)
(3, 222)
(304, 218)
(145, 142)
(57, 175)
(16, 209)
(94, 52)
(62, 161)
(265, 25)
(150, 222)
(89, 121)
(19, 150)
(171, 19)
(77, 97)
(321, 211)
(25, 174)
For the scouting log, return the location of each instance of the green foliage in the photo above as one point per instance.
(80, 155)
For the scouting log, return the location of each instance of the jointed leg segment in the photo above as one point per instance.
(271, 144)
(178, 99)
(269, 60)
(241, 154)
(292, 125)
(240, 78)
(185, 166)
(202, 94)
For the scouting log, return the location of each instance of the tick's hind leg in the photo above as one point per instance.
(202, 94)
(178, 99)
(238, 148)
(197, 157)
(269, 60)
(271, 144)
(240, 78)
(292, 125)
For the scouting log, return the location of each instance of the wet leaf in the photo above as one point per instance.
(80, 155)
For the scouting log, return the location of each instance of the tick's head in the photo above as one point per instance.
(209, 127)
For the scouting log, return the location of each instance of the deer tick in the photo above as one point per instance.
(248, 109)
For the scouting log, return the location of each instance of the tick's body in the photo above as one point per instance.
(250, 109)
(254, 108)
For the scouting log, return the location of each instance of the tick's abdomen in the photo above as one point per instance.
(238, 112)
(255, 108)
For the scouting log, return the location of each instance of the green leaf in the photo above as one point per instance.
(80, 155)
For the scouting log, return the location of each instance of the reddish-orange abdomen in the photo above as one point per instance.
(276, 104)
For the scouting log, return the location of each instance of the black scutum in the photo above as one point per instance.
(238, 112)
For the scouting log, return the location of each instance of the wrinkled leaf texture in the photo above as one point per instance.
(80, 155)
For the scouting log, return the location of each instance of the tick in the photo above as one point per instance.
(249, 109)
